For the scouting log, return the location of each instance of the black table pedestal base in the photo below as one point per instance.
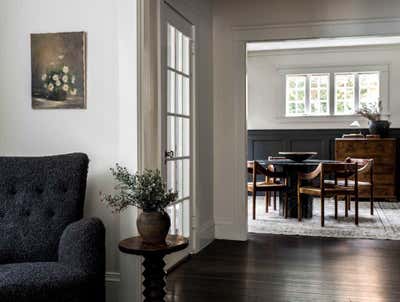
(154, 279)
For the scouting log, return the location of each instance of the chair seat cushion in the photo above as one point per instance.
(349, 182)
(42, 281)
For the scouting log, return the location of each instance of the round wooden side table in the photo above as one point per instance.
(154, 274)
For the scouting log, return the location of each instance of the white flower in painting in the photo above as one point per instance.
(73, 80)
(65, 69)
(45, 85)
(50, 87)
(58, 83)
(61, 57)
(65, 87)
(44, 77)
(56, 77)
(65, 79)
(74, 91)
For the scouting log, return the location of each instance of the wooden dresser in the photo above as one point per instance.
(383, 151)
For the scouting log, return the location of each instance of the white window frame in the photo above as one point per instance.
(383, 70)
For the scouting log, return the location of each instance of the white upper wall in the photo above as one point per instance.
(96, 130)
(266, 94)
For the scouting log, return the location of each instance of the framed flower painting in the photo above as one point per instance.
(58, 70)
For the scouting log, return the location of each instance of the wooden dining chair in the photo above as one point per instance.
(365, 180)
(324, 189)
(272, 180)
(255, 168)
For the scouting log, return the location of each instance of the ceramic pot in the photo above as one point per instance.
(379, 127)
(153, 226)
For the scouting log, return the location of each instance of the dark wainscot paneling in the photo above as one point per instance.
(262, 143)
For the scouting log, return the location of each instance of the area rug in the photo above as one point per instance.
(385, 224)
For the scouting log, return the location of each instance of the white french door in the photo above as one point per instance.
(176, 117)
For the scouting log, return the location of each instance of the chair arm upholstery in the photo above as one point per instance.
(82, 246)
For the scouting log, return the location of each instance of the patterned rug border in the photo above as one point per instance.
(384, 225)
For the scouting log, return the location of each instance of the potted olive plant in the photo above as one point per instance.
(148, 192)
(374, 115)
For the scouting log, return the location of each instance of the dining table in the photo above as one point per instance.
(291, 169)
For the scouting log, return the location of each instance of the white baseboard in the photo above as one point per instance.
(112, 286)
(206, 235)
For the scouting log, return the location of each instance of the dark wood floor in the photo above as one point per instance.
(290, 268)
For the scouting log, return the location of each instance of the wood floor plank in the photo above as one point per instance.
(290, 268)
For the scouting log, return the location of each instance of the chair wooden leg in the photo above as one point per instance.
(254, 204)
(356, 209)
(286, 204)
(299, 210)
(372, 200)
(274, 201)
(336, 207)
(266, 201)
(349, 204)
(346, 207)
(322, 211)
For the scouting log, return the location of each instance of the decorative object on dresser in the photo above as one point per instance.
(383, 152)
(374, 115)
(146, 191)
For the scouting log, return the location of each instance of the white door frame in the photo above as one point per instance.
(308, 30)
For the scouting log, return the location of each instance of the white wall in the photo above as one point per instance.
(229, 14)
(102, 130)
(266, 94)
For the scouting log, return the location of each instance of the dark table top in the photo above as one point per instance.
(136, 246)
(289, 162)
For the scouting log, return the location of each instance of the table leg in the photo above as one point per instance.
(154, 279)
(306, 201)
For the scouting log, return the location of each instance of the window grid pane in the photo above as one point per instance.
(344, 93)
(296, 94)
(369, 90)
(319, 94)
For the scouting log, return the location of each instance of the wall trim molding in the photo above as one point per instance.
(205, 235)
(240, 36)
(338, 22)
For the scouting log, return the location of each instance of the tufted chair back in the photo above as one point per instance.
(39, 197)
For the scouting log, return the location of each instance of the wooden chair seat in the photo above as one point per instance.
(350, 183)
(267, 186)
(329, 191)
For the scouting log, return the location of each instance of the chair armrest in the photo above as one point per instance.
(82, 246)
(311, 175)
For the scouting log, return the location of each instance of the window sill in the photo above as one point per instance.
(340, 119)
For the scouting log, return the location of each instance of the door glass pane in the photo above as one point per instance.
(185, 137)
(171, 175)
(186, 96)
(179, 94)
(171, 82)
(171, 46)
(186, 55)
(171, 134)
(179, 50)
(186, 178)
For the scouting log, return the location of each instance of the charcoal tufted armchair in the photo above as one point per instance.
(47, 251)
